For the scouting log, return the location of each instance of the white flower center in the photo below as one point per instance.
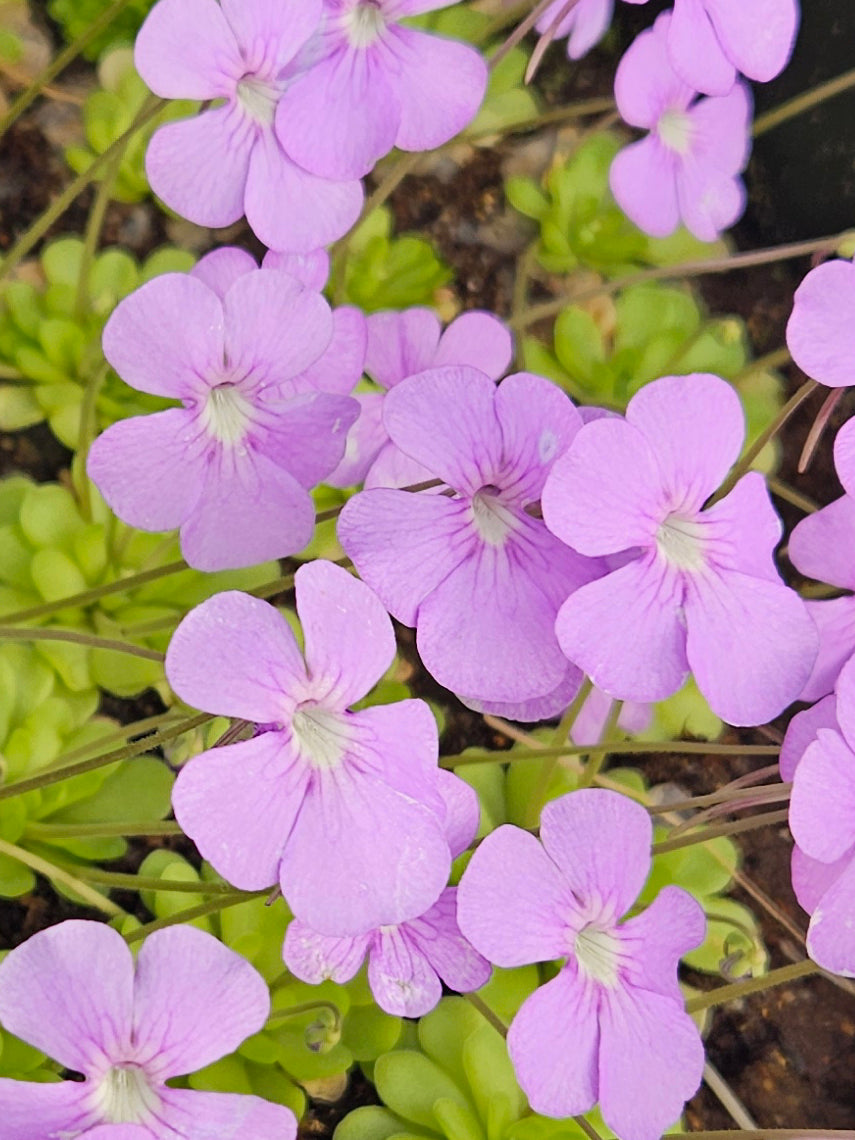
(322, 735)
(598, 953)
(364, 23)
(226, 414)
(493, 521)
(681, 542)
(675, 130)
(258, 98)
(125, 1096)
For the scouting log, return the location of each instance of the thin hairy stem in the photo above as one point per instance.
(118, 880)
(628, 748)
(487, 1013)
(723, 994)
(214, 906)
(75, 637)
(803, 102)
(48, 832)
(598, 757)
(753, 824)
(535, 804)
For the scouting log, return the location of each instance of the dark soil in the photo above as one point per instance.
(788, 1054)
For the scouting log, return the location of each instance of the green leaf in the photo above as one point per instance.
(374, 1123)
(579, 344)
(411, 1084)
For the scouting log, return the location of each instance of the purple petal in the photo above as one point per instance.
(695, 51)
(710, 201)
(721, 130)
(250, 511)
(830, 936)
(348, 635)
(34, 1109)
(267, 40)
(747, 529)
(646, 85)
(759, 37)
(657, 939)
(273, 327)
(478, 339)
(811, 878)
(235, 655)
(647, 1042)
(643, 181)
(604, 493)
(364, 440)
(68, 990)
(400, 344)
(238, 803)
(306, 435)
(462, 810)
(802, 730)
(195, 1000)
(399, 744)
(220, 268)
(402, 980)
(437, 935)
(553, 1043)
(186, 50)
(180, 322)
(819, 331)
(822, 802)
(340, 368)
(342, 115)
(446, 420)
(403, 545)
(822, 545)
(695, 426)
(224, 1116)
(600, 841)
(591, 718)
(835, 623)
(314, 957)
(625, 631)
(513, 903)
(392, 468)
(844, 456)
(310, 269)
(113, 1132)
(487, 630)
(750, 642)
(361, 855)
(550, 705)
(199, 166)
(845, 711)
(319, 210)
(440, 84)
(145, 469)
(538, 424)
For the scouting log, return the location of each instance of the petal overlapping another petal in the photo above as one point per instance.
(305, 435)
(399, 744)
(646, 84)
(400, 344)
(830, 936)
(195, 1000)
(220, 268)
(822, 802)
(835, 623)
(403, 981)
(757, 37)
(822, 545)
(513, 903)
(235, 655)
(37, 1109)
(238, 803)
(478, 339)
(657, 939)
(225, 1116)
(696, 52)
(643, 180)
(802, 730)
(437, 935)
(291, 209)
(68, 990)
(270, 41)
(751, 644)
(314, 957)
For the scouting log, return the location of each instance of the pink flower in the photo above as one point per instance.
(232, 467)
(75, 992)
(697, 588)
(341, 808)
(408, 961)
(611, 1027)
(687, 169)
(400, 345)
(373, 83)
(585, 24)
(479, 576)
(228, 161)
